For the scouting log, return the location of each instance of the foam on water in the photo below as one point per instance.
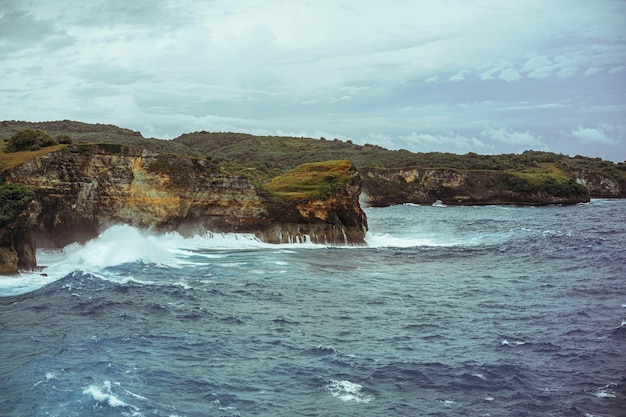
(385, 240)
(505, 342)
(104, 395)
(417, 239)
(607, 391)
(348, 391)
(122, 244)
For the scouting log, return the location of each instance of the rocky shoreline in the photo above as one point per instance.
(81, 189)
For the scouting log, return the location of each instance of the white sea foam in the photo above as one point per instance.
(513, 343)
(49, 376)
(118, 245)
(385, 240)
(605, 394)
(606, 391)
(104, 395)
(23, 283)
(418, 238)
(348, 391)
(122, 244)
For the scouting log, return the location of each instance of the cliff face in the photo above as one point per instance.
(336, 220)
(83, 188)
(385, 187)
(599, 185)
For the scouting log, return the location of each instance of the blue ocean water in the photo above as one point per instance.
(449, 311)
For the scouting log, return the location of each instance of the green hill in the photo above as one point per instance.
(266, 157)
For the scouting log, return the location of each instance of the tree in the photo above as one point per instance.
(13, 199)
(29, 140)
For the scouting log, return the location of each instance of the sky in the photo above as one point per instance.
(483, 76)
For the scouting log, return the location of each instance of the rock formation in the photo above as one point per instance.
(385, 187)
(82, 189)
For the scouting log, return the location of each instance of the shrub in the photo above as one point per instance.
(64, 139)
(13, 199)
(29, 140)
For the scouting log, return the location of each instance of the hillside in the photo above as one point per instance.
(263, 158)
(278, 153)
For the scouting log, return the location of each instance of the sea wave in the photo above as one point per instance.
(348, 391)
(125, 244)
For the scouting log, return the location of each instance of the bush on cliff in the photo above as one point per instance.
(13, 199)
(64, 139)
(29, 140)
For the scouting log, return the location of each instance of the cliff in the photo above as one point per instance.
(384, 187)
(600, 185)
(80, 189)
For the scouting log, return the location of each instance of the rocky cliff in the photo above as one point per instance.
(82, 189)
(600, 185)
(385, 187)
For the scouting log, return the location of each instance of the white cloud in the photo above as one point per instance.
(493, 69)
(512, 137)
(599, 135)
(617, 70)
(536, 63)
(530, 106)
(562, 65)
(459, 76)
(567, 72)
(593, 71)
(543, 72)
(448, 141)
(509, 74)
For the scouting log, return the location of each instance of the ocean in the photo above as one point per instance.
(449, 311)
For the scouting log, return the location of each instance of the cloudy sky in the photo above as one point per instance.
(484, 76)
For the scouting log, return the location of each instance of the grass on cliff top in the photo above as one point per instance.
(539, 176)
(9, 160)
(311, 181)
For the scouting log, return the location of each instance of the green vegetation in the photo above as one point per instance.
(113, 148)
(64, 139)
(12, 159)
(311, 181)
(13, 199)
(262, 158)
(29, 140)
(272, 155)
(556, 185)
(381, 186)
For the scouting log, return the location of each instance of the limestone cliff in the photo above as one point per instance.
(83, 188)
(599, 185)
(385, 187)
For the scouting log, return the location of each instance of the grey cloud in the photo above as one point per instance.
(20, 30)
